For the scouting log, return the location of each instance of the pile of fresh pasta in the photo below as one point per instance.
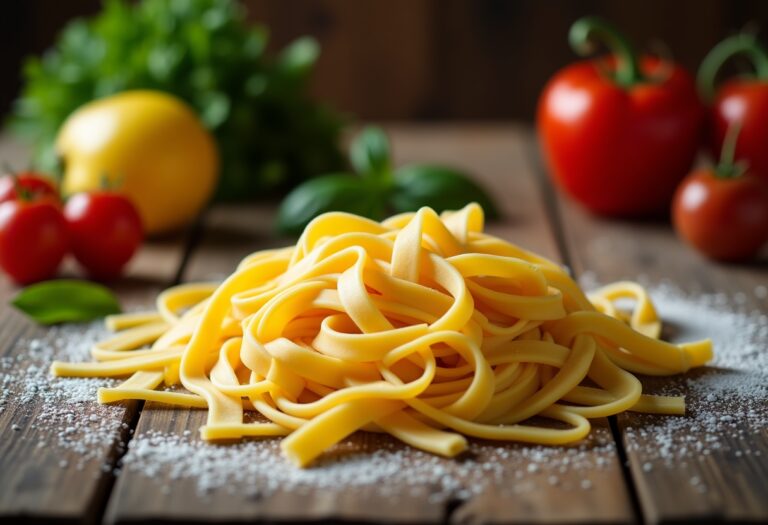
(421, 326)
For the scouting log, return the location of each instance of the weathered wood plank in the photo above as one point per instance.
(592, 489)
(713, 464)
(231, 232)
(380, 480)
(57, 447)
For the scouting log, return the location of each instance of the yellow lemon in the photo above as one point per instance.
(150, 146)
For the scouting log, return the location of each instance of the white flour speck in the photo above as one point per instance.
(727, 402)
(388, 467)
(59, 412)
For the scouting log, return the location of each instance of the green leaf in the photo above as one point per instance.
(216, 109)
(66, 300)
(338, 192)
(439, 188)
(205, 52)
(369, 153)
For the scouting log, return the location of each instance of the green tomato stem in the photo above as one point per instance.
(588, 30)
(742, 44)
(727, 168)
(22, 193)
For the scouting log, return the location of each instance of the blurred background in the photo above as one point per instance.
(425, 59)
(174, 104)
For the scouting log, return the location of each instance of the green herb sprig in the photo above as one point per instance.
(376, 188)
(270, 133)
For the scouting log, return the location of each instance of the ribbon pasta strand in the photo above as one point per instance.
(421, 326)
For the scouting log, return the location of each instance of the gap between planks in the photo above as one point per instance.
(727, 480)
(731, 479)
(497, 154)
(190, 243)
(44, 479)
(43, 476)
(555, 214)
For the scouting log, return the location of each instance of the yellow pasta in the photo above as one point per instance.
(421, 326)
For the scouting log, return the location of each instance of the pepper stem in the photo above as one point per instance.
(585, 32)
(727, 168)
(744, 44)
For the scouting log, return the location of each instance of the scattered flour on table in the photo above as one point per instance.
(727, 404)
(58, 412)
(258, 469)
(727, 400)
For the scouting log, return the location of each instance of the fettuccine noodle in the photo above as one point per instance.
(421, 326)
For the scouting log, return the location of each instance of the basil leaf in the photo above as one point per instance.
(439, 188)
(339, 192)
(369, 153)
(66, 300)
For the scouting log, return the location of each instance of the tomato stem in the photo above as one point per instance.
(22, 193)
(588, 30)
(742, 44)
(727, 168)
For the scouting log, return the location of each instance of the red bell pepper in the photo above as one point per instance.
(619, 134)
(741, 100)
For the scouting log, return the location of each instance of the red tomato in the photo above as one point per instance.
(33, 239)
(106, 231)
(33, 184)
(619, 138)
(724, 218)
(744, 102)
(741, 101)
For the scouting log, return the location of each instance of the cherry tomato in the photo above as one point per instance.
(725, 218)
(741, 101)
(33, 184)
(746, 103)
(106, 231)
(33, 239)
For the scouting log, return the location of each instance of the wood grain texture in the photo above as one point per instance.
(535, 484)
(45, 471)
(166, 498)
(56, 461)
(497, 157)
(727, 479)
(528, 484)
(481, 59)
(230, 233)
(411, 59)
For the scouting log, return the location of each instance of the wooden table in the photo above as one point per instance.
(618, 475)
